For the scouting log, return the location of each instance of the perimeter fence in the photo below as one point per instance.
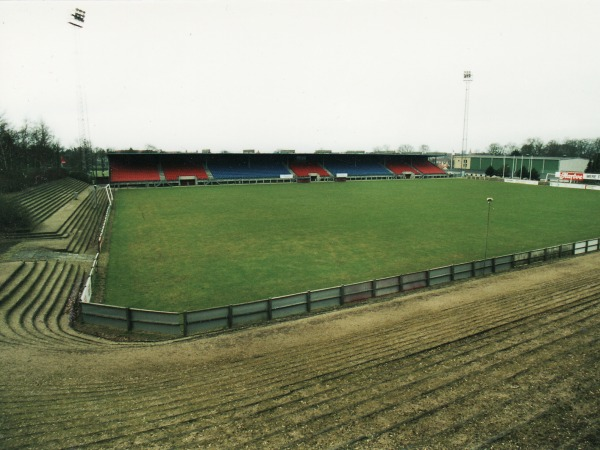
(196, 322)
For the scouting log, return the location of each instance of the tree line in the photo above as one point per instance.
(31, 154)
(571, 148)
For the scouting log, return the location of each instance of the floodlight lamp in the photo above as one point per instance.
(79, 15)
(490, 199)
(467, 74)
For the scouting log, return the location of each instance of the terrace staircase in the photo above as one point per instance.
(43, 201)
(208, 172)
(161, 173)
(40, 282)
(76, 222)
(34, 304)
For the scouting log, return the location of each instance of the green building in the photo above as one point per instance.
(508, 166)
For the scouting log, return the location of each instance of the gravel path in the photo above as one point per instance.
(509, 360)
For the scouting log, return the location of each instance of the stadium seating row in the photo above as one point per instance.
(173, 170)
(123, 172)
(223, 171)
(427, 168)
(304, 169)
(137, 170)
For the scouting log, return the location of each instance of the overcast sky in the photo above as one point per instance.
(303, 74)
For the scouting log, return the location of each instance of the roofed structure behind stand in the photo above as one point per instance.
(131, 168)
(512, 166)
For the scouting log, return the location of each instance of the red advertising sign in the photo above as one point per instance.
(572, 176)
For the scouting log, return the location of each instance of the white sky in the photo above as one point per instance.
(303, 74)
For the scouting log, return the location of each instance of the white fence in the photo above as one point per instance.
(86, 293)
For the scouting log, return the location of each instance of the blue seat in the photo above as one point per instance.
(354, 169)
(261, 170)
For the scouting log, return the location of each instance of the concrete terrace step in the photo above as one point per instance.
(14, 282)
(87, 226)
(18, 316)
(45, 200)
(36, 313)
(14, 296)
(9, 270)
(41, 276)
(46, 204)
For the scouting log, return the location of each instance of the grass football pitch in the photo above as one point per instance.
(183, 249)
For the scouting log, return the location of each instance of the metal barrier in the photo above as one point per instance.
(195, 322)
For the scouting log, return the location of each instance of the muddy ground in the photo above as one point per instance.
(506, 361)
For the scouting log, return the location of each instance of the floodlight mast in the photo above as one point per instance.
(467, 79)
(84, 132)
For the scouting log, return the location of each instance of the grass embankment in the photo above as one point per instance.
(194, 248)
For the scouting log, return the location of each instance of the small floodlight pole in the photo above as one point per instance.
(467, 79)
(487, 232)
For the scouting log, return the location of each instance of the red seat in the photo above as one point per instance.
(428, 168)
(400, 168)
(122, 172)
(173, 171)
(305, 169)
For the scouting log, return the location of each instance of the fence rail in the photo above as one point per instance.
(196, 322)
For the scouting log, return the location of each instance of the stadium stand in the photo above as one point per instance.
(44, 200)
(82, 226)
(79, 229)
(427, 168)
(34, 304)
(131, 168)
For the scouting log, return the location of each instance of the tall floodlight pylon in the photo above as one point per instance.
(467, 79)
(78, 18)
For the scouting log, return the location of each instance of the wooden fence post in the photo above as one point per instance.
(308, 301)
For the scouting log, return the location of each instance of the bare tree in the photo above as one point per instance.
(495, 149)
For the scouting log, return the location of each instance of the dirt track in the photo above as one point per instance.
(510, 360)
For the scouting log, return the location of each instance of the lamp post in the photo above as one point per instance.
(487, 232)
